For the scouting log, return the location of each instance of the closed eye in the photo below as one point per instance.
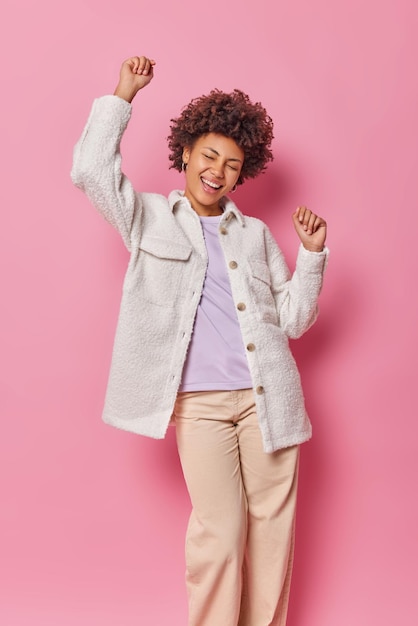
(211, 158)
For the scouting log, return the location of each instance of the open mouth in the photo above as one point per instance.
(210, 184)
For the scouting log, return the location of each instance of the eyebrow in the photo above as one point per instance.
(217, 153)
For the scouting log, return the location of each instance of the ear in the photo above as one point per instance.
(186, 154)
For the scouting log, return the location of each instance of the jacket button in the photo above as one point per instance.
(241, 306)
(233, 265)
(259, 390)
(251, 347)
(223, 230)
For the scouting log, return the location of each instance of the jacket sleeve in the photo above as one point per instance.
(97, 164)
(296, 296)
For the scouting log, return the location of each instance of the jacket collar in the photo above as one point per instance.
(229, 207)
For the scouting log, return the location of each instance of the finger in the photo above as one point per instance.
(298, 217)
(151, 67)
(319, 223)
(303, 214)
(144, 66)
(141, 65)
(306, 217)
(133, 62)
(300, 212)
(148, 67)
(311, 223)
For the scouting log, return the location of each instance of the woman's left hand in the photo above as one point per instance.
(311, 229)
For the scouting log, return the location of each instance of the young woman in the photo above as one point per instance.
(202, 340)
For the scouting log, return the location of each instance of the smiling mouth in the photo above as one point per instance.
(209, 183)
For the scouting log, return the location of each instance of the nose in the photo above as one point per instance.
(218, 169)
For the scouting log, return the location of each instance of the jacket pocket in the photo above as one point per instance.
(165, 248)
(261, 294)
(156, 270)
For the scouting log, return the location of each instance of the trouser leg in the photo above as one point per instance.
(270, 483)
(216, 535)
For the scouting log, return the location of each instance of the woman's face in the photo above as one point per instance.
(214, 164)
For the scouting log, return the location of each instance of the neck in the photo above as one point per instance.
(208, 212)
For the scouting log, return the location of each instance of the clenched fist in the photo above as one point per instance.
(311, 228)
(135, 74)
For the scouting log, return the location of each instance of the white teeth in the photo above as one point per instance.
(213, 185)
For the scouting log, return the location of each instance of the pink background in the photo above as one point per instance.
(93, 519)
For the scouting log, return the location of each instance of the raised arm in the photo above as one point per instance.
(97, 160)
(311, 229)
(135, 74)
(296, 296)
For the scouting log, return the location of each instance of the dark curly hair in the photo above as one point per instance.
(232, 115)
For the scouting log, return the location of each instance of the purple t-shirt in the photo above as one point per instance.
(216, 359)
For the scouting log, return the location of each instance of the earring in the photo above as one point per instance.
(183, 166)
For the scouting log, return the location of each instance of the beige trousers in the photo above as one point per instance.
(239, 544)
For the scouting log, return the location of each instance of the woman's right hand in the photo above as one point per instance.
(135, 74)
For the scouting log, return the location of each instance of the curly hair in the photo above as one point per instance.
(232, 115)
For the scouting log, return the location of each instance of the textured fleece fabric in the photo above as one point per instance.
(163, 285)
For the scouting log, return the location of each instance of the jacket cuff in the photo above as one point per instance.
(312, 262)
(111, 111)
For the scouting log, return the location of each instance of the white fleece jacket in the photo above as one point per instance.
(163, 285)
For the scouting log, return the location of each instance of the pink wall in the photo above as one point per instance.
(92, 519)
